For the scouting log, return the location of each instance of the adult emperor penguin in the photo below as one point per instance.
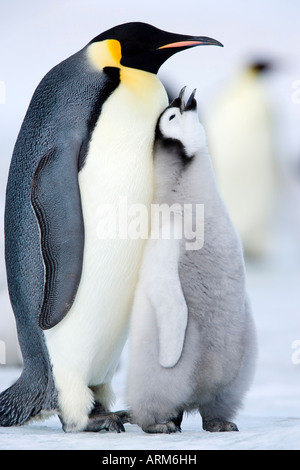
(192, 338)
(86, 141)
(241, 131)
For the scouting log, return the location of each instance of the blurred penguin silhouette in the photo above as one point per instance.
(241, 135)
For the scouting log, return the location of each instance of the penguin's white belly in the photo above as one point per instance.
(89, 340)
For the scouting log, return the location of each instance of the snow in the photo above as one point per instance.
(255, 434)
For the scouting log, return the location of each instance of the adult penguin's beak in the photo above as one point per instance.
(191, 42)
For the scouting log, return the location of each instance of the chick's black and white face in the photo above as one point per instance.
(183, 125)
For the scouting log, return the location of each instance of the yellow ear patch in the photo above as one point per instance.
(105, 53)
(115, 49)
(108, 53)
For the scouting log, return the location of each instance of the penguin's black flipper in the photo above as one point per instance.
(55, 198)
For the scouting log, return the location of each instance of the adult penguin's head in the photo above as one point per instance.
(144, 47)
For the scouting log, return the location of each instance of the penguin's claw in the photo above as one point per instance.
(100, 419)
(108, 422)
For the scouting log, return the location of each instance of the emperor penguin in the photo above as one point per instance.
(192, 336)
(86, 141)
(241, 131)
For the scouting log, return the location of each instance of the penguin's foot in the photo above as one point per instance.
(100, 419)
(217, 425)
(99, 410)
(124, 416)
(163, 428)
(106, 422)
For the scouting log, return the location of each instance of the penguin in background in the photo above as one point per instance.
(86, 141)
(241, 132)
(192, 338)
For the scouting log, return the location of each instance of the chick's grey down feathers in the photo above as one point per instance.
(217, 360)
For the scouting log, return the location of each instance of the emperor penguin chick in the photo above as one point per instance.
(192, 337)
